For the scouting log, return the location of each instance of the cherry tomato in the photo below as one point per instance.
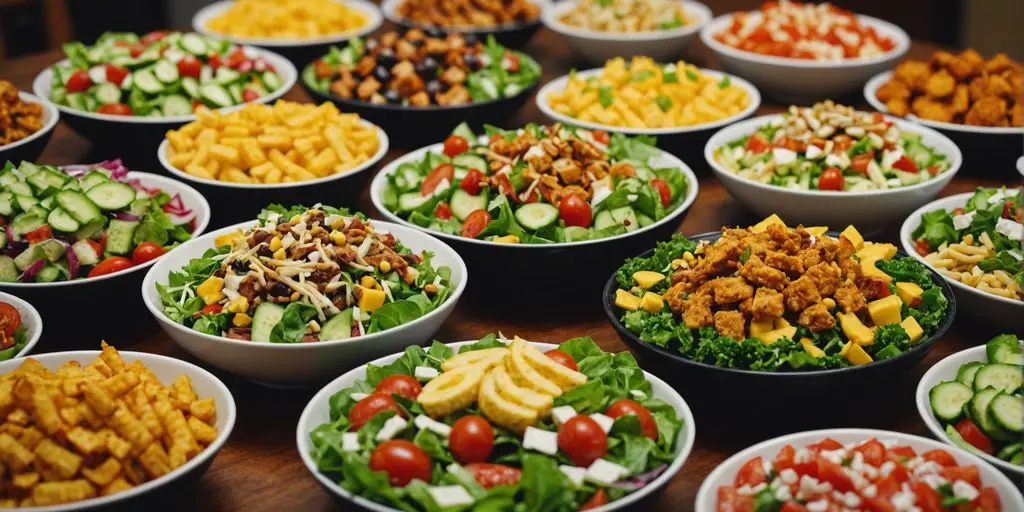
(751, 473)
(78, 81)
(583, 440)
(873, 452)
(663, 190)
(784, 459)
(472, 182)
(110, 265)
(988, 501)
(792, 506)
(190, 66)
(968, 474)
(250, 95)
(245, 66)
(832, 179)
(1008, 208)
(115, 109)
(10, 319)
(368, 407)
(214, 60)
(599, 498)
(958, 211)
(39, 234)
(493, 475)
(940, 457)
(933, 170)
(860, 162)
(928, 499)
(756, 143)
(923, 247)
(827, 444)
(600, 136)
(455, 145)
(211, 309)
(731, 501)
(398, 384)
(562, 358)
(475, 223)
(905, 163)
(443, 172)
(575, 211)
(471, 439)
(443, 211)
(402, 460)
(115, 74)
(153, 37)
(147, 251)
(505, 185)
(903, 452)
(972, 434)
(626, 407)
(833, 474)
(236, 58)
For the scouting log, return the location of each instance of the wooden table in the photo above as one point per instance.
(259, 468)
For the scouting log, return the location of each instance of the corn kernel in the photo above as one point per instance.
(211, 286)
(431, 288)
(338, 223)
(368, 282)
(338, 237)
(829, 303)
(688, 257)
(275, 243)
(212, 298)
(385, 266)
(295, 220)
(280, 254)
(238, 304)
(678, 263)
(242, 320)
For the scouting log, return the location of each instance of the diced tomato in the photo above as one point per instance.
(600, 136)
(598, 499)
(664, 192)
(968, 474)
(784, 459)
(78, 81)
(877, 117)
(876, 504)
(196, 104)
(116, 74)
(245, 66)
(832, 179)
(190, 66)
(833, 474)
(505, 185)
(39, 234)
(958, 211)
(211, 309)
(1008, 208)
(323, 69)
(236, 58)
(441, 173)
(792, 506)
(873, 452)
(940, 457)
(511, 62)
(922, 247)
(861, 161)
(827, 444)
(973, 435)
(249, 95)
(887, 486)
(214, 60)
(988, 501)
(928, 499)
(905, 163)
(115, 109)
(751, 473)
(731, 501)
(933, 170)
(903, 451)
(756, 144)
(443, 211)
(493, 475)
(472, 182)
(153, 37)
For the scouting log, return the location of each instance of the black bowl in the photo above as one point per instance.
(29, 148)
(512, 35)
(736, 382)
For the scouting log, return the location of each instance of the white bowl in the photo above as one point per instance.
(192, 200)
(301, 364)
(984, 308)
(946, 370)
(32, 146)
(559, 84)
(869, 209)
(597, 47)
(318, 412)
(802, 80)
(204, 15)
(725, 473)
(382, 149)
(30, 320)
(166, 369)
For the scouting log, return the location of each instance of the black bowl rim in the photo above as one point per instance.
(393, 16)
(921, 348)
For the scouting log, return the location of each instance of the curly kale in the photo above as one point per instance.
(660, 261)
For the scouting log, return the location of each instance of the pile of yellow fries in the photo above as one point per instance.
(287, 19)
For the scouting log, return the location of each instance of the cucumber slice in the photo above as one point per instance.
(26, 203)
(603, 220)
(965, 375)
(215, 95)
(107, 93)
(120, 235)
(235, 90)
(271, 81)
(464, 204)
(79, 206)
(26, 222)
(6, 203)
(48, 274)
(227, 76)
(20, 188)
(194, 44)
(463, 130)
(1003, 377)
(338, 327)
(627, 217)
(979, 406)
(1008, 412)
(535, 216)
(176, 105)
(1005, 349)
(1006, 453)
(61, 221)
(471, 161)
(111, 195)
(267, 315)
(8, 270)
(166, 72)
(92, 179)
(191, 87)
(147, 82)
(411, 201)
(576, 234)
(948, 400)
(91, 229)
(98, 74)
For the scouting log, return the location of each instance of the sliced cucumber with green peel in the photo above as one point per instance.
(1006, 453)
(79, 206)
(339, 327)
(1008, 412)
(948, 399)
(147, 82)
(166, 72)
(576, 234)
(120, 235)
(1005, 349)
(965, 375)
(603, 220)
(176, 105)
(536, 216)
(471, 161)
(1003, 377)
(411, 200)
(194, 44)
(463, 130)
(107, 93)
(26, 222)
(464, 204)
(979, 408)
(215, 95)
(111, 195)
(267, 315)
(60, 220)
(626, 217)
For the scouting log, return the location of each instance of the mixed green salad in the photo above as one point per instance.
(80, 221)
(13, 334)
(536, 185)
(159, 74)
(304, 274)
(982, 409)
(591, 444)
(832, 147)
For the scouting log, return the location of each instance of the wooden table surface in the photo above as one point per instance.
(259, 467)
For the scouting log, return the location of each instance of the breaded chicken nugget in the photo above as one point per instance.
(940, 85)
(927, 108)
(988, 111)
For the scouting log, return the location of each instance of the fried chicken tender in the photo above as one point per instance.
(767, 305)
(960, 69)
(755, 271)
(675, 296)
(817, 318)
(1000, 86)
(940, 85)
(1016, 115)
(826, 277)
(988, 111)
(800, 294)
(972, 57)
(849, 298)
(730, 290)
(927, 108)
(898, 107)
(999, 63)
(961, 99)
(731, 324)
(913, 73)
(784, 262)
(893, 90)
(697, 311)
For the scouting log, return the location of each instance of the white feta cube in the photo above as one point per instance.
(424, 422)
(814, 152)
(605, 422)
(391, 427)
(562, 414)
(639, 395)
(350, 442)
(358, 396)
(450, 495)
(574, 474)
(962, 489)
(539, 440)
(425, 373)
(997, 197)
(963, 221)
(603, 472)
(783, 156)
(1012, 229)
(600, 194)
(535, 151)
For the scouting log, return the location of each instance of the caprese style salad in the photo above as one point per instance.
(832, 147)
(13, 335)
(72, 222)
(304, 274)
(159, 74)
(982, 409)
(870, 475)
(498, 425)
(536, 185)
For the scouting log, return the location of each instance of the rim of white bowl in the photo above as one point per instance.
(383, 144)
(689, 435)
(377, 187)
(749, 126)
(26, 309)
(373, 22)
(924, 408)
(201, 205)
(390, 10)
(156, 310)
(50, 114)
(560, 83)
(719, 475)
(697, 11)
(877, 81)
(894, 32)
(914, 220)
(43, 82)
(203, 457)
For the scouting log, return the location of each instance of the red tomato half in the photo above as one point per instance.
(731, 501)
(751, 473)
(940, 457)
(600, 136)
(663, 191)
(211, 309)
(493, 475)
(873, 452)
(455, 145)
(972, 434)
(626, 407)
(250, 95)
(10, 319)
(475, 223)
(115, 74)
(575, 211)
(115, 109)
(905, 163)
(78, 81)
(756, 144)
(825, 444)
(562, 358)
(598, 499)
(988, 501)
(399, 384)
(471, 439)
(831, 179)
(369, 407)
(443, 211)
(472, 182)
(583, 440)
(147, 251)
(402, 460)
(443, 172)
(860, 162)
(110, 265)
(39, 234)
(190, 66)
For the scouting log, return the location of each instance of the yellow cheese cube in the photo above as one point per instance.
(867, 266)
(885, 311)
(626, 300)
(855, 354)
(763, 225)
(877, 251)
(652, 302)
(238, 304)
(212, 298)
(759, 328)
(507, 239)
(854, 236)
(811, 349)
(909, 293)
(211, 286)
(371, 299)
(855, 330)
(914, 329)
(772, 336)
(646, 278)
(241, 320)
(227, 238)
(781, 323)
(817, 230)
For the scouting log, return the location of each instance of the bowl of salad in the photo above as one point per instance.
(859, 469)
(127, 87)
(28, 123)
(511, 22)
(832, 164)
(782, 50)
(20, 327)
(774, 306)
(300, 293)
(589, 429)
(405, 82)
(972, 399)
(974, 241)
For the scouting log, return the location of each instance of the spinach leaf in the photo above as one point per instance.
(294, 323)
